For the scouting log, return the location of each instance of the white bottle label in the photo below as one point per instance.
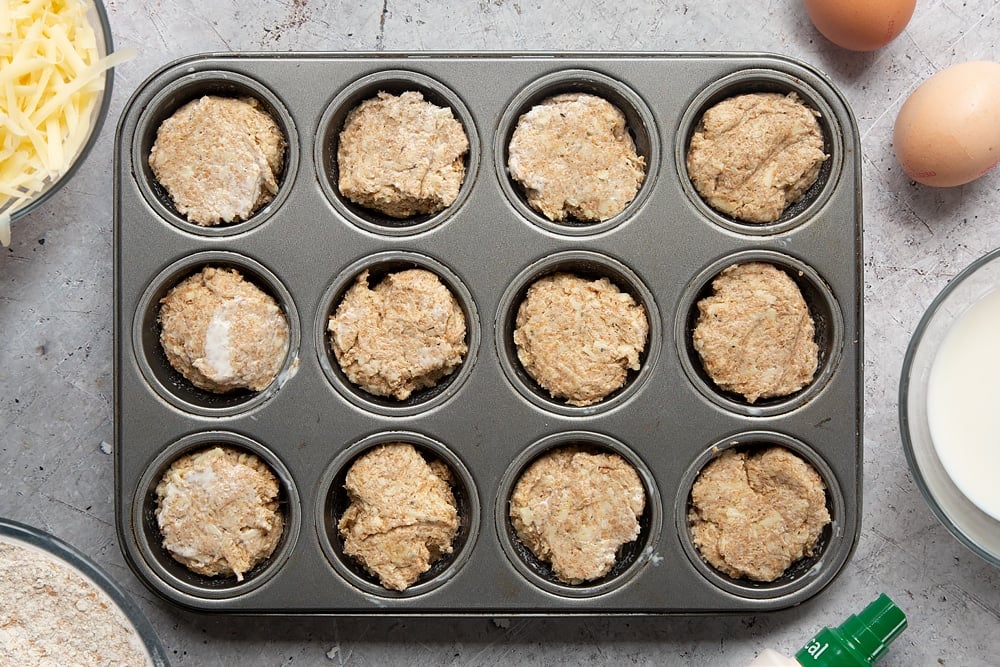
(770, 658)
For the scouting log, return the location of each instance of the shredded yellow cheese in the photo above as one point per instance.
(51, 78)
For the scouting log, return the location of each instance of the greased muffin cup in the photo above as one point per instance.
(158, 564)
(487, 420)
(803, 576)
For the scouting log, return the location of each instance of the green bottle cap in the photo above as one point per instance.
(860, 641)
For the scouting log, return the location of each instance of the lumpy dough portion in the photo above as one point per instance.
(754, 515)
(404, 334)
(401, 155)
(218, 511)
(578, 338)
(402, 517)
(575, 510)
(575, 158)
(219, 158)
(755, 333)
(222, 332)
(753, 155)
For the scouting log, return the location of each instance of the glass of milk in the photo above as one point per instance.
(949, 406)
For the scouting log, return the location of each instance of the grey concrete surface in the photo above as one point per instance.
(56, 323)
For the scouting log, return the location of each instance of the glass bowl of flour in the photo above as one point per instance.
(58, 607)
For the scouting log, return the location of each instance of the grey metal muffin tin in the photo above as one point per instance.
(488, 420)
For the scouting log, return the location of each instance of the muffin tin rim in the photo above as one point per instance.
(196, 441)
(692, 114)
(330, 365)
(185, 267)
(325, 136)
(727, 60)
(553, 81)
(144, 177)
(463, 476)
(585, 438)
(682, 335)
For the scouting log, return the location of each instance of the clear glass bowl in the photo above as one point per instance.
(97, 15)
(973, 527)
(14, 532)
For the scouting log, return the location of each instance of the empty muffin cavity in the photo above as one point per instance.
(397, 152)
(217, 514)
(759, 332)
(756, 513)
(400, 514)
(759, 150)
(214, 151)
(576, 332)
(216, 333)
(577, 513)
(577, 152)
(398, 333)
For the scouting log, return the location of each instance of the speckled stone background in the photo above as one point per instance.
(56, 322)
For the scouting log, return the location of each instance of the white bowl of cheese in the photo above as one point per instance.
(55, 88)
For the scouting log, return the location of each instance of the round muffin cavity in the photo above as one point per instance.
(219, 159)
(753, 514)
(404, 334)
(575, 510)
(218, 511)
(579, 337)
(402, 518)
(755, 333)
(575, 158)
(222, 332)
(753, 155)
(401, 155)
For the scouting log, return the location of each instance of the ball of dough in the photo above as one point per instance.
(755, 334)
(578, 337)
(575, 510)
(575, 158)
(402, 517)
(753, 155)
(218, 511)
(401, 155)
(222, 332)
(219, 159)
(754, 514)
(404, 334)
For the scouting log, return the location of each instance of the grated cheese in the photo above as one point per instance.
(51, 79)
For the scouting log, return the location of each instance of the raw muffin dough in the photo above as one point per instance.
(755, 333)
(575, 510)
(217, 510)
(404, 334)
(223, 333)
(753, 155)
(401, 155)
(753, 515)
(219, 158)
(575, 158)
(402, 517)
(578, 338)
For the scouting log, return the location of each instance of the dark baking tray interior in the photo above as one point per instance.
(305, 239)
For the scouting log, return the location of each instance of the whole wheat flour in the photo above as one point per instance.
(53, 616)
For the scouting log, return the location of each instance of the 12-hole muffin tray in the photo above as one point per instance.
(488, 420)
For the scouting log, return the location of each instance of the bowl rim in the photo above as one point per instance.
(102, 110)
(76, 559)
(904, 413)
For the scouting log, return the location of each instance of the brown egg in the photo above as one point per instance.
(948, 130)
(860, 25)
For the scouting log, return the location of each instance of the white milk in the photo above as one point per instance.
(963, 403)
